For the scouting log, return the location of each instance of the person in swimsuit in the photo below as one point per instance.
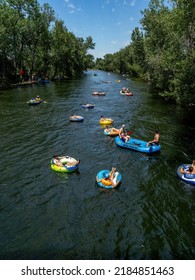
(109, 177)
(37, 98)
(102, 118)
(156, 139)
(57, 161)
(121, 130)
(111, 129)
(124, 137)
(190, 170)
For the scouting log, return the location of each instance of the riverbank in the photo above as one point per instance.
(7, 86)
(22, 84)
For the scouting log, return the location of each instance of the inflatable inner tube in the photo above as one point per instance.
(76, 118)
(111, 132)
(88, 106)
(187, 178)
(107, 183)
(65, 168)
(106, 121)
(33, 101)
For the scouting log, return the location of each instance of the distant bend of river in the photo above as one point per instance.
(49, 215)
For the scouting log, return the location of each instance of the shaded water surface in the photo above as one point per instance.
(49, 215)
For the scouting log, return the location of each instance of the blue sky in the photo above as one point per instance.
(109, 22)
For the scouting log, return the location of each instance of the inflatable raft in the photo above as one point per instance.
(187, 178)
(137, 145)
(106, 184)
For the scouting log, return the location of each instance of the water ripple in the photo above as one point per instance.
(49, 215)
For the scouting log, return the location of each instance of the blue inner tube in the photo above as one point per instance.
(187, 178)
(101, 174)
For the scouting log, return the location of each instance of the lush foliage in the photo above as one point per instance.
(163, 53)
(32, 39)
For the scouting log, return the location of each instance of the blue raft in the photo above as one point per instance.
(187, 178)
(117, 179)
(137, 145)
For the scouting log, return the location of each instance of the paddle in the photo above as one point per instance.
(129, 132)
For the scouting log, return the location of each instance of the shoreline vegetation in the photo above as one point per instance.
(28, 83)
(35, 43)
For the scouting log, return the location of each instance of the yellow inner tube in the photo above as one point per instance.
(106, 121)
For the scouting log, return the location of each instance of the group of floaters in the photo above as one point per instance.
(104, 178)
(126, 91)
(77, 118)
(111, 178)
(124, 140)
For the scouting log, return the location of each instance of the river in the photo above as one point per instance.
(50, 215)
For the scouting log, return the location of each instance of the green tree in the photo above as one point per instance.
(137, 44)
(31, 38)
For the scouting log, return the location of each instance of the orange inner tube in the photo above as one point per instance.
(113, 133)
(106, 182)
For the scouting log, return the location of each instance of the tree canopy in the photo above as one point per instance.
(32, 39)
(161, 51)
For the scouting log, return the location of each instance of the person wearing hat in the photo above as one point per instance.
(37, 98)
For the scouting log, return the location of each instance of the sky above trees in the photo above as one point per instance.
(109, 22)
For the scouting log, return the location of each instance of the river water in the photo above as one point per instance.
(49, 215)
